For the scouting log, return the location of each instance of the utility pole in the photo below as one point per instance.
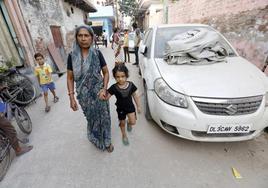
(165, 8)
(116, 13)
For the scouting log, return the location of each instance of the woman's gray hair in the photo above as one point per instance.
(90, 30)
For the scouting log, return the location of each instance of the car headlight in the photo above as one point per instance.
(266, 99)
(168, 95)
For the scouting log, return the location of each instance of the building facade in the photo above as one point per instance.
(51, 25)
(45, 26)
(103, 19)
(15, 43)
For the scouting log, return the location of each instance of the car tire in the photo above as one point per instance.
(147, 112)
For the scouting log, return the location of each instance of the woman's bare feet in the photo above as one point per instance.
(110, 148)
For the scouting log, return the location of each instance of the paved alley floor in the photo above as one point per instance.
(63, 157)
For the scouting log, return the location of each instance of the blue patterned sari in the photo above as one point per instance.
(89, 81)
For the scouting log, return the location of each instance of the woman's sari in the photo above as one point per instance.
(89, 81)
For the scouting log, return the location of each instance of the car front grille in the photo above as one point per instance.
(228, 107)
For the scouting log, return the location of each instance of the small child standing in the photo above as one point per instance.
(124, 91)
(43, 74)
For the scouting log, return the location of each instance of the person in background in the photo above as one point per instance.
(137, 41)
(125, 46)
(11, 134)
(104, 37)
(96, 41)
(117, 46)
(112, 40)
(43, 74)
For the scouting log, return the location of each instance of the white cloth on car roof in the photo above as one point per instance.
(197, 46)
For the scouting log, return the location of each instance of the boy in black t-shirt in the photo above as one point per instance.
(124, 91)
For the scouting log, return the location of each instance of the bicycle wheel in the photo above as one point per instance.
(23, 120)
(20, 88)
(4, 156)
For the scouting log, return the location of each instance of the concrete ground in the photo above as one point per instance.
(63, 158)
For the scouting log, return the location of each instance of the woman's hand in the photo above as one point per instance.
(73, 104)
(102, 94)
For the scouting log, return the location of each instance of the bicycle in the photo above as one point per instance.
(5, 153)
(10, 110)
(5, 159)
(20, 86)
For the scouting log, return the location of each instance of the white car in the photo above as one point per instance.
(214, 102)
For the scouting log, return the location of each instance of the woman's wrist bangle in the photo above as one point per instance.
(71, 93)
(102, 90)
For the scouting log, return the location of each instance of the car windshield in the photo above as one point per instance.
(165, 34)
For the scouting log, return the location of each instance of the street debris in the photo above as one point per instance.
(251, 152)
(236, 173)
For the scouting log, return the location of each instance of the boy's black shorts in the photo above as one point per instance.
(122, 113)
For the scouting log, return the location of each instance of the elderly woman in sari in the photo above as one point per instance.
(84, 68)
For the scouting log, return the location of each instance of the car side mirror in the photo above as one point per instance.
(143, 49)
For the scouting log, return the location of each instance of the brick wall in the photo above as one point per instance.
(69, 41)
(73, 17)
(39, 15)
(243, 22)
(155, 15)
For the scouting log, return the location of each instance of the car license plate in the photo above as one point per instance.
(232, 128)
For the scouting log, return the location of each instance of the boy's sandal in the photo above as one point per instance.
(47, 109)
(56, 99)
(110, 148)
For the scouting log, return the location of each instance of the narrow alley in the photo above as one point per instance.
(63, 157)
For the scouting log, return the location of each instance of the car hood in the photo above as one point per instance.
(236, 78)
